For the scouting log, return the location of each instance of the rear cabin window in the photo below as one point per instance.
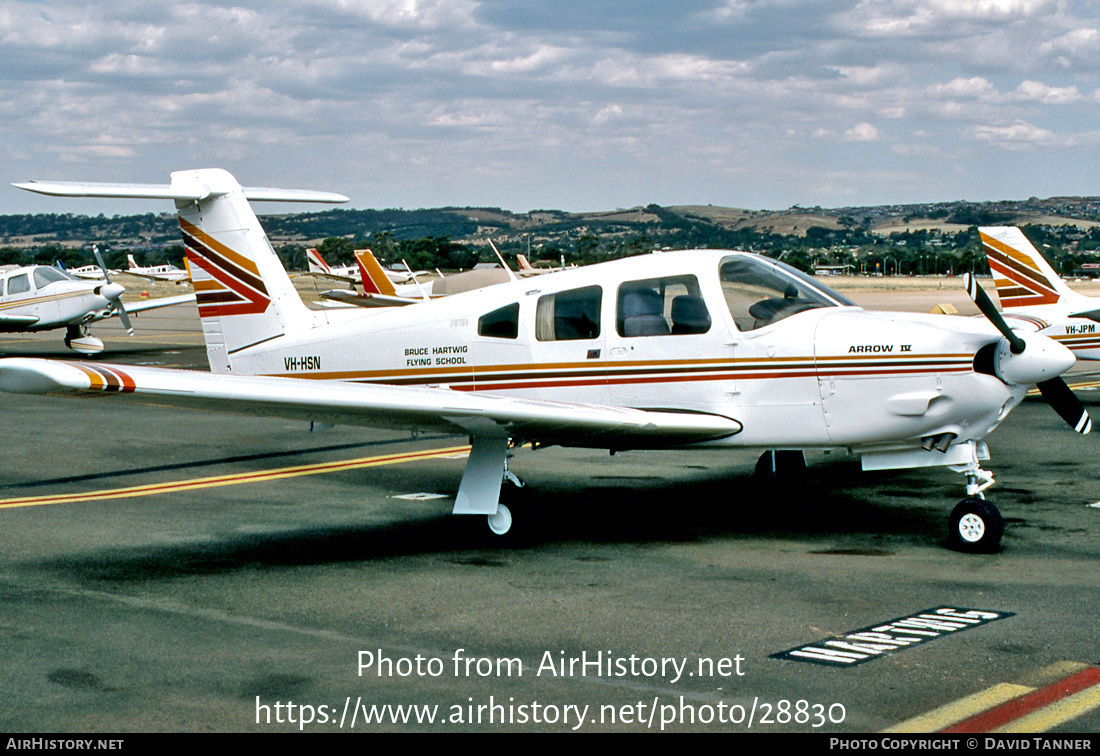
(569, 315)
(661, 307)
(500, 324)
(19, 284)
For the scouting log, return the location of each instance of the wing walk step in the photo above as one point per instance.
(1039, 702)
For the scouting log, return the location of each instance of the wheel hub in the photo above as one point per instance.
(971, 528)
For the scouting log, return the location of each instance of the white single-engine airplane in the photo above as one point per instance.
(43, 298)
(695, 349)
(1034, 297)
(157, 272)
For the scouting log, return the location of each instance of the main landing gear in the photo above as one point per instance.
(479, 493)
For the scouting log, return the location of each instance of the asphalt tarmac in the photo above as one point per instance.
(171, 571)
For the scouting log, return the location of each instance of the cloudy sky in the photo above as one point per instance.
(570, 104)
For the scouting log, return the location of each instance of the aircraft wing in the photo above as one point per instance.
(153, 304)
(375, 405)
(332, 276)
(367, 299)
(146, 276)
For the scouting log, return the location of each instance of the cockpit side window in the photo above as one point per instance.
(661, 307)
(502, 323)
(569, 315)
(19, 284)
(759, 294)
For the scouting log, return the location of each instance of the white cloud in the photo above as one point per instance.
(862, 132)
(415, 102)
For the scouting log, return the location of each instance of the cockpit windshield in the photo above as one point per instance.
(759, 293)
(44, 275)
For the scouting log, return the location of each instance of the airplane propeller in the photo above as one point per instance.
(112, 292)
(1054, 390)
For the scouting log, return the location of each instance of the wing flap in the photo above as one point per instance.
(376, 405)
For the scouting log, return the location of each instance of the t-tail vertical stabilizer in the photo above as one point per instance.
(244, 294)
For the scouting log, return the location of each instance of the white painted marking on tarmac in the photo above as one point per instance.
(1095, 505)
(419, 496)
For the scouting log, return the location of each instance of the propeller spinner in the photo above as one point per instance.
(1026, 358)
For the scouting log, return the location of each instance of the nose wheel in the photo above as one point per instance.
(976, 526)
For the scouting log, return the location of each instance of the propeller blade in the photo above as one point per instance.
(118, 306)
(1059, 396)
(124, 317)
(985, 304)
(99, 261)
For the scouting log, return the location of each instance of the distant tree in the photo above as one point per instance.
(337, 250)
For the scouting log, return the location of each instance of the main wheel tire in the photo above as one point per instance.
(976, 526)
(500, 522)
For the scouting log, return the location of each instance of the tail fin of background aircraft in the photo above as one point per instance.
(131, 261)
(244, 294)
(1022, 276)
(375, 280)
(521, 260)
(317, 263)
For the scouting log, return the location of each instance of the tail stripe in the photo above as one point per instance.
(235, 287)
(1031, 285)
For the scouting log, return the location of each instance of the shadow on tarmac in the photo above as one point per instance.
(873, 517)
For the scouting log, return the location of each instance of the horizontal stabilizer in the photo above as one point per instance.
(183, 190)
(368, 299)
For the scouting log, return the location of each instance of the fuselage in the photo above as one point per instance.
(50, 297)
(708, 331)
(1080, 335)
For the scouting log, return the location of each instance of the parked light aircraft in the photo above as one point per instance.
(87, 272)
(527, 269)
(42, 298)
(1036, 298)
(157, 272)
(353, 273)
(696, 349)
(380, 291)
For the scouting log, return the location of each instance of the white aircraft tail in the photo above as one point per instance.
(317, 263)
(1023, 276)
(132, 262)
(244, 294)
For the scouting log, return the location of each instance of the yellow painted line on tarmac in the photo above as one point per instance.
(1035, 703)
(964, 708)
(1055, 714)
(261, 476)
